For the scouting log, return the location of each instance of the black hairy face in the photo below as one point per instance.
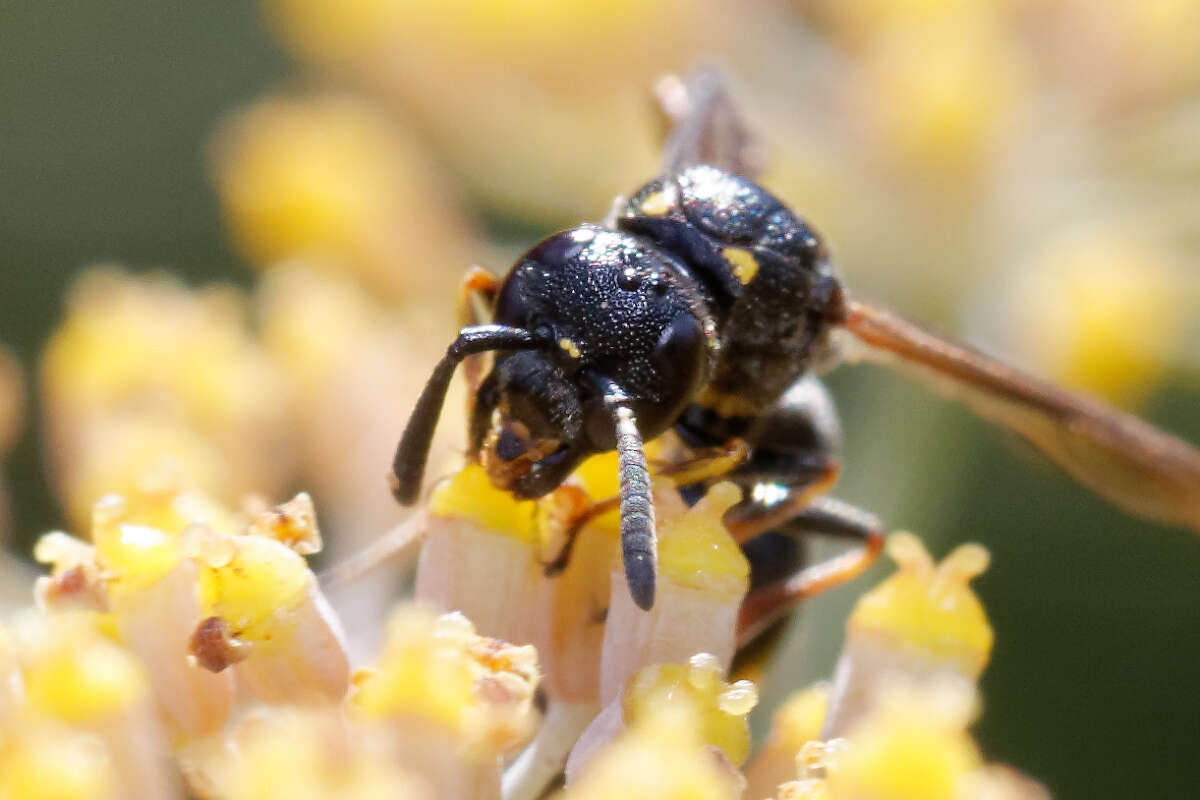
(535, 416)
(536, 391)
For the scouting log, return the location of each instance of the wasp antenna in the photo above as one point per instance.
(639, 545)
(413, 451)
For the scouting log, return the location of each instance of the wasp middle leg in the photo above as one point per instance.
(793, 581)
(793, 464)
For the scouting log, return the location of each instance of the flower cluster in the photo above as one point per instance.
(918, 643)
(187, 646)
(146, 382)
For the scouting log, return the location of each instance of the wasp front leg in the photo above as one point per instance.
(476, 292)
(573, 528)
(693, 469)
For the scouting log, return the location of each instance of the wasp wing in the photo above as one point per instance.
(703, 125)
(1134, 465)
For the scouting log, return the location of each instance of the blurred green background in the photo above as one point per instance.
(107, 112)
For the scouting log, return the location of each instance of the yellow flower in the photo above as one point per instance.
(335, 182)
(659, 758)
(147, 383)
(1103, 309)
(923, 624)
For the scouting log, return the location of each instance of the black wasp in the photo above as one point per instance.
(703, 306)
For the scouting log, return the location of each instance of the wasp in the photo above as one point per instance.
(704, 306)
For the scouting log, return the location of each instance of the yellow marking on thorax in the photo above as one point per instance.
(656, 204)
(569, 346)
(745, 265)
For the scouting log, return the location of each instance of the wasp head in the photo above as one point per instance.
(600, 340)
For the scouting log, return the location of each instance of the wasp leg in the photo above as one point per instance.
(706, 463)
(478, 285)
(580, 521)
(779, 505)
(477, 290)
(826, 516)
(701, 465)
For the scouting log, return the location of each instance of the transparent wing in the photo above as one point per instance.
(704, 125)
(1122, 458)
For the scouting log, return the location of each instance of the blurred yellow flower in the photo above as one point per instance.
(660, 758)
(555, 133)
(315, 756)
(913, 124)
(145, 380)
(939, 98)
(1102, 309)
(335, 181)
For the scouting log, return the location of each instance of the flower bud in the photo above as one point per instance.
(922, 624)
